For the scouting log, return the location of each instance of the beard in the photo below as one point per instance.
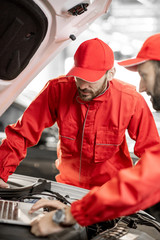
(156, 102)
(88, 94)
(155, 97)
(84, 97)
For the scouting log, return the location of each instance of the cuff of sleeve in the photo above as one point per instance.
(83, 210)
(4, 175)
(78, 213)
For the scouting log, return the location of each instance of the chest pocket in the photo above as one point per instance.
(68, 140)
(107, 144)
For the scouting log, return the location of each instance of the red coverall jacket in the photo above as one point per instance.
(92, 147)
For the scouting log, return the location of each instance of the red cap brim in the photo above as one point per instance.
(131, 64)
(86, 74)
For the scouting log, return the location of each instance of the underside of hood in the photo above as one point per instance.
(33, 32)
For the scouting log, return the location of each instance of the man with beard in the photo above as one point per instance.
(147, 63)
(93, 111)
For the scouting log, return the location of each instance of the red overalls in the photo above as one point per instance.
(92, 147)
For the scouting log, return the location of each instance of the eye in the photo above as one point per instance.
(143, 76)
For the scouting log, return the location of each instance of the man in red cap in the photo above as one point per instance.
(93, 111)
(147, 63)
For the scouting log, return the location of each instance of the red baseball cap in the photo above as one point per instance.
(149, 51)
(91, 60)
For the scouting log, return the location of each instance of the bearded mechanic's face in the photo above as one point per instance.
(87, 90)
(150, 82)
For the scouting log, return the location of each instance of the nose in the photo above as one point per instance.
(142, 86)
(82, 84)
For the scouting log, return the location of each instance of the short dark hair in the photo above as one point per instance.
(156, 63)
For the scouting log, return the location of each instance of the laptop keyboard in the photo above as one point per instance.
(8, 210)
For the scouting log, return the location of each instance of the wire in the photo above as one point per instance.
(52, 194)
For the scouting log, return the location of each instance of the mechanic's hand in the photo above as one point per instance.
(45, 203)
(44, 225)
(3, 184)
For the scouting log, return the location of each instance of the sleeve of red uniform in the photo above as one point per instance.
(25, 133)
(133, 189)
(142, 127)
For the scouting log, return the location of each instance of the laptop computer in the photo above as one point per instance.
(14, 212)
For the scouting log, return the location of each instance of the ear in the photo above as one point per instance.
(111, 73)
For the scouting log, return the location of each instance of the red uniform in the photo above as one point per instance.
(92, 147)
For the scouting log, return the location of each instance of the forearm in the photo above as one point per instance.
(70, 220)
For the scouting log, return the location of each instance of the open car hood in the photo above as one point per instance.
(33, 32)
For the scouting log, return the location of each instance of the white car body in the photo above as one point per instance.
(61, 25)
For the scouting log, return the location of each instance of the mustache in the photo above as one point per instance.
(85, 90)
